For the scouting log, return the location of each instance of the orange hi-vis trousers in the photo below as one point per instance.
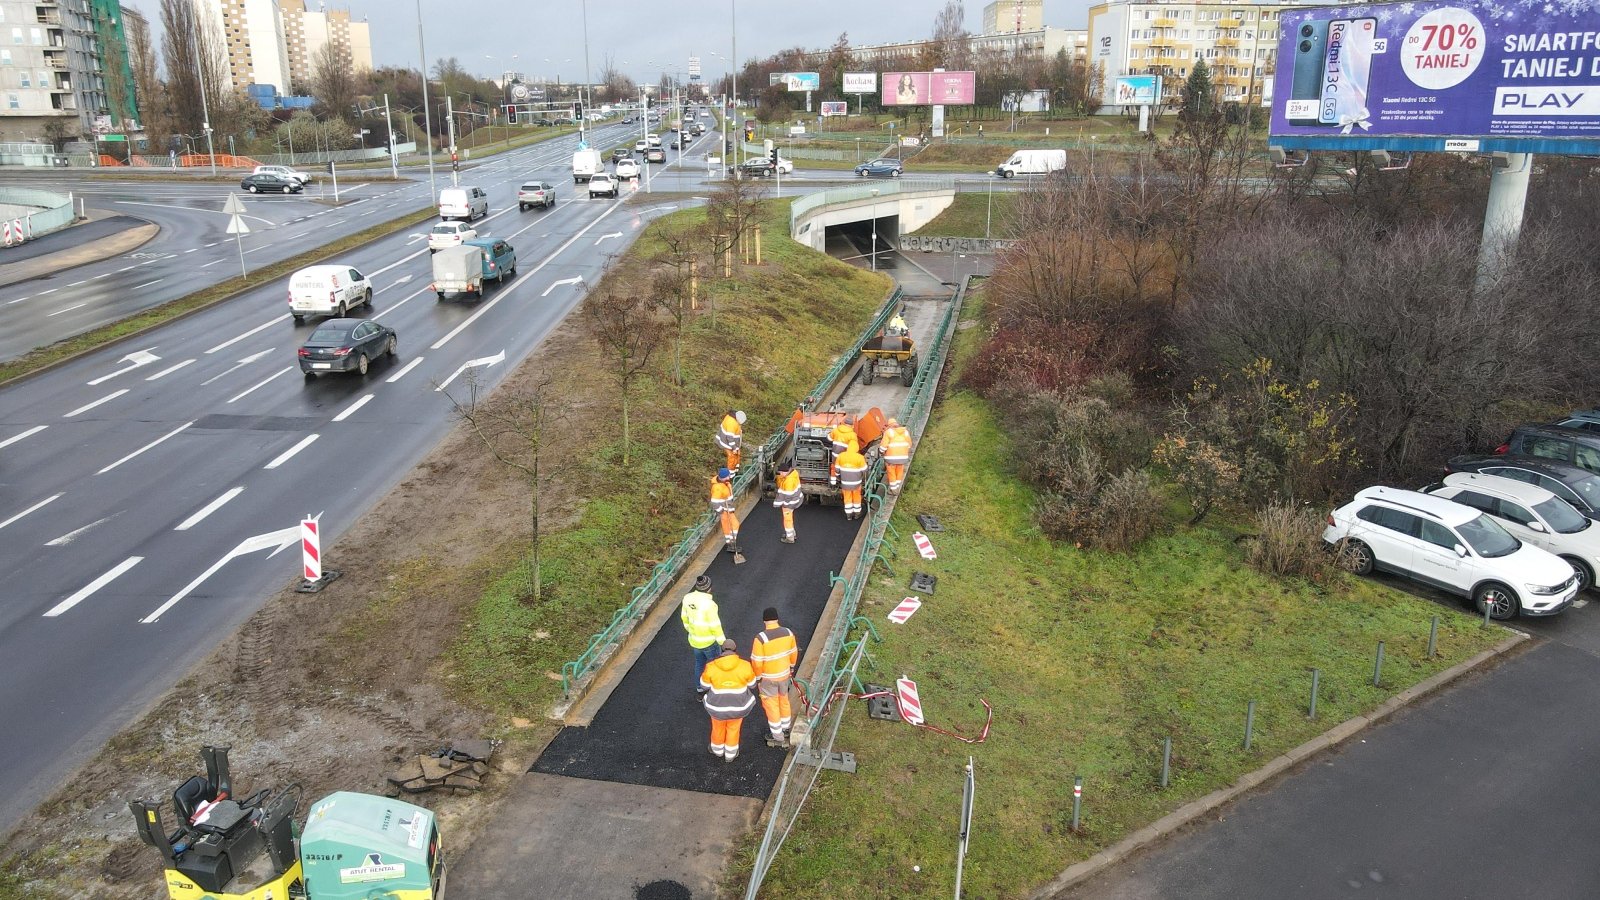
(775, 703)
(895, 475)
(725, 737)
(852, 500)
(733, 460)
(788, 522)
(730, 526)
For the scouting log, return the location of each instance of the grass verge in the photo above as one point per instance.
(61, 351)
(759, 342)
(971, 213)
(1090, 660)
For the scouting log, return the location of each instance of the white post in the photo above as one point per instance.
(200, 70)
(455, 163)
(427, 113)
(333, 169)
(238, 239)
(394, 164)
(1144, 118)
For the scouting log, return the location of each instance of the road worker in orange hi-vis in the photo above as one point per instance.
(788, 498)
(727, 682)
(774, 655)
(852, 476)
(730, 437)
(844, 438)
(896, 454)
(722, 504)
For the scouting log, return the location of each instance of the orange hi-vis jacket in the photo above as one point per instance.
(852, 470)
(775, 653)
(730, 435)
(727, 681)
(721, 495)
(897, 446)
(844, 436)
(788, 491)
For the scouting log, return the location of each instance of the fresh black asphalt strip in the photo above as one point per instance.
(652, 730)
(70, 238)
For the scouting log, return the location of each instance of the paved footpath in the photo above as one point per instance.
(1487, 790)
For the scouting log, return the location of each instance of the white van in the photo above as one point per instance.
(463, 203)
(586, 164)
(1032, 162)
(327, 290)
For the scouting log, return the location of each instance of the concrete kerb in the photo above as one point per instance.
(1184, 815)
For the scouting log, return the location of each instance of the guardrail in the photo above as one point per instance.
(55, 212)
(670, 569)
(881, 190)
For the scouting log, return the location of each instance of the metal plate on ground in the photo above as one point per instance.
(839, 761)
(923, 582)
(881, 707)
(929, 522)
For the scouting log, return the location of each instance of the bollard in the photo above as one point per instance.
(1433, 637)
(1077, 800)
(1316, 678)
(1377, 667)
(1166, 760)
(1249, 722)
(1486, 607)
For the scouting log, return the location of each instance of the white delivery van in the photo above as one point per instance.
(327, 290)
(1032, 162)
(463, 203)
(586, 164)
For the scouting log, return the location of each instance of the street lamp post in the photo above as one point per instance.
(733, 66)
(205, 108)
(427, 116)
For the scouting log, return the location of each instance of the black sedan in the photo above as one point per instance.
(345, 345)
(1579, 487)
(266, 181)
(883, 168)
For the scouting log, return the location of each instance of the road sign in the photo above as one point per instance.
(924, 546)
(910, 702)
(234, 206)
(236, 225)
(900, 614)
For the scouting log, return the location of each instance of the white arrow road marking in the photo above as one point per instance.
(401, 280)
(415, 238)
(279, 539)
(408, 367)
(240, 364)
(263, 327)
(30, 509)
(576, 279)
(262, 383)
(289, 453)
(93, 586)
(614, 234)
(29, 433)
(137, 358)
(486, 362)
(83, 409)
(348, 410)
(153, 443)
(71, 536)
(208, 509)
(169, 370)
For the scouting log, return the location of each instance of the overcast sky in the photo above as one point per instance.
(639, 33)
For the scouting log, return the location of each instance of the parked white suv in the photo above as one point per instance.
(1450, 546)
(284, 172)
(1531, 514)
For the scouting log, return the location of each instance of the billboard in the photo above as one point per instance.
(1474, 75)
(1137, 90)
(835, 108)
(694, 68)
(861, 82)
(796, 81)
(929, 88)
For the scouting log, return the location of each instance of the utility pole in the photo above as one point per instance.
(200, 70)
(427, 113)
(455, 164)
(733, 31)
(394, 163)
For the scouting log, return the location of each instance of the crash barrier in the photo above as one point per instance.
(669, 570)
(876, 190)
(915, 244)
(49, 212)
(818, 728)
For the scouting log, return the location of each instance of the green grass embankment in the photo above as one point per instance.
(970, 212)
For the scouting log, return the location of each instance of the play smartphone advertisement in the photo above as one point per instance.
(1461, 69)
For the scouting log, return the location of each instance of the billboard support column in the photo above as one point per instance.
(938, 115)
(1144, 118)
(1502, 219)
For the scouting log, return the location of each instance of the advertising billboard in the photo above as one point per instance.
(861, 82)
(1475, 75)
(694, 68)
(835, 108)
(796, 81)
(1137, 90)
(929, 88)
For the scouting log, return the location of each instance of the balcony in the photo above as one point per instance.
(1165, 23)
(1230, 23)
(48, 17)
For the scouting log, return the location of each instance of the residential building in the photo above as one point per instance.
(307, 31)
(52, 83)
(1013, 16)
(116, 63)
(1238, 41)
(1040, 43)
(250, 33)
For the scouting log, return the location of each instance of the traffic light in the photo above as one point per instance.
(749, 131)
(772, 152)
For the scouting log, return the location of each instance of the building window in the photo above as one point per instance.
(13, 101)
(37, 35)
(16, 35)
(5, 57)
(25, 81)
(44, 79)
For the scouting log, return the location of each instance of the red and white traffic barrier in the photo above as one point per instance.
(910, 702)
(311, 549)
(924, 546)
(903, 612)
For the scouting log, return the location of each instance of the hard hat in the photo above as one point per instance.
(894, 423)
(723, 474)
(739, 417)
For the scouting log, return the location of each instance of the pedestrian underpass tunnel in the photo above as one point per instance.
(852, 241)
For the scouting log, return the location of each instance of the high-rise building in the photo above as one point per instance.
(116, 63)
(307, 31)
(53, 69)
(1013, 16)
(250, 33)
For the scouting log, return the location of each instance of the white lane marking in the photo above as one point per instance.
(169, 370)
(191, 249)
(348, 410)
(196, 209)
(501, 294)
(30, 509)
(174, 432)
(240, 364)
(247, 391)
(210, 264)
(148, 283)
(137, 358)
(289, 453)
(18, 300)
(67, 309)
(390, 309)
(93, 586)
(101, 275)
(76, 283)
(208, 509)
(258, 328)
(576, 279)
(51, 291)
(71, 536)
(213, 243)
(107, 398)
(29, 433)
(128, 268)
(280, 539)
(408, 367)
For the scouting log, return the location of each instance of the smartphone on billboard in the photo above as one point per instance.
(1305, 92)
(1348, 69)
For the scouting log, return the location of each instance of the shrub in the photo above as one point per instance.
(1130, 511)
(1198, 467)
(1289, 542)
(1092, 510)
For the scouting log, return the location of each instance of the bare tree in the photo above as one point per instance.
(731, 210)
(951, 43)
(617, 85)
(625, 328)
(190, 47)
(673, 291)
(333, 79)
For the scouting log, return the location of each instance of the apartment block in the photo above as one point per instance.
(52, 81)
(1013, 16)
(307, 31)
(1041, 43)
(250, 33)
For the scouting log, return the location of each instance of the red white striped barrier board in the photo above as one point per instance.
(311, 549)
(924, 546)
(901, 613)
(910, 703)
